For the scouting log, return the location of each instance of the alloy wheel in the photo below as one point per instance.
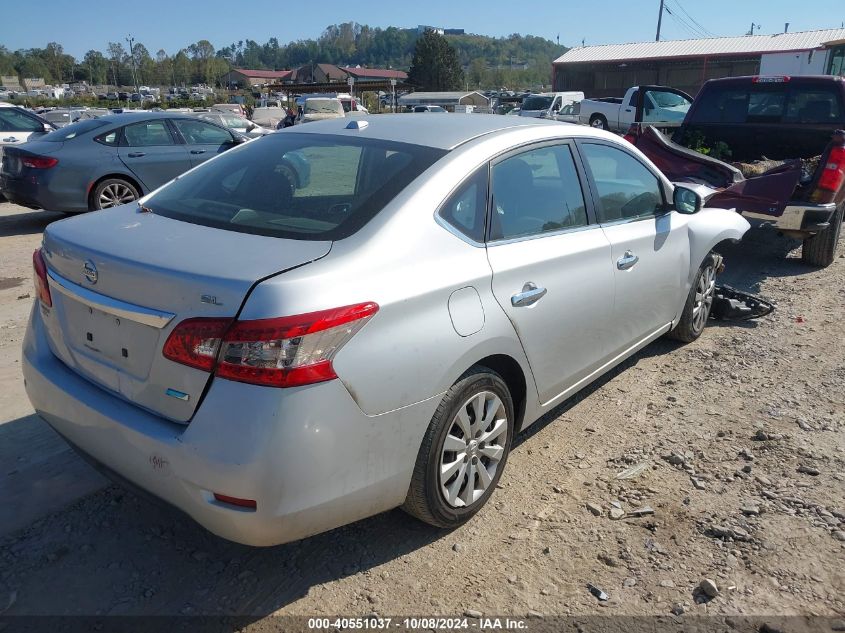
(704, 293)
(473, 449)
(115, 194)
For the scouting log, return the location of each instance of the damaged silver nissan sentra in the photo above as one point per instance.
(278, 360)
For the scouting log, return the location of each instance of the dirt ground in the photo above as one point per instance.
(741, 436)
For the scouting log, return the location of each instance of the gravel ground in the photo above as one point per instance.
(735, 506)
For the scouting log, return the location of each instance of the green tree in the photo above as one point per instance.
(435, 65)
(96, 67)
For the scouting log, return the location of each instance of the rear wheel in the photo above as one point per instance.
(113, 192)
(598, 121)
(463, 452)
(699, 301)
(820, 249)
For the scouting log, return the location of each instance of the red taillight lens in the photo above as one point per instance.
(39, 277)
(282, 352)
(290, 351)
(833, 174)
(39, 162)
(195, 342)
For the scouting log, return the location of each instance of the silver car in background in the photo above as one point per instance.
(279, 361)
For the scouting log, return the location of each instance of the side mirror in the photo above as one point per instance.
(686, 200)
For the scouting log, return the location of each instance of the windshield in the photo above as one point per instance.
(295, 186)
(537, 102)
(323, 106)
(73, 130)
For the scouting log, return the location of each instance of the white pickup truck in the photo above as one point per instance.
(655, 105)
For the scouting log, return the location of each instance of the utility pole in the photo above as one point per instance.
(132, 57)
(753, 26)
(659, 21)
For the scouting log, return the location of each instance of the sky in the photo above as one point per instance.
(174, 24)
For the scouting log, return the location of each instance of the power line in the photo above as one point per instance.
(695, 22)
(683, 23)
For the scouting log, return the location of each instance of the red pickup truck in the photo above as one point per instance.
(777, 119)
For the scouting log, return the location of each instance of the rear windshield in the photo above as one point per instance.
(295, 186)
(769, 103)
(537, 103)
(73, 130)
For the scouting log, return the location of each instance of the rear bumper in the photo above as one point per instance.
(36, 192)
(808, 218)
(309, 457)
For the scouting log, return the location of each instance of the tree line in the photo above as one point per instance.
(487, 61)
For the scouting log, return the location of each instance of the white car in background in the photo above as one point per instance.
(238, 124)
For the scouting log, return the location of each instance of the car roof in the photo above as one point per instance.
(445, 132)
(142, 115)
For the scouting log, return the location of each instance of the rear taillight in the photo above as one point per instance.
(833, 173)
(39, 162)
(290, 351)
(195, 342)
(39, 276)
(281, 352)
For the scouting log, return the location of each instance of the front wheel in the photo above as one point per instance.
(698, 304)
(820, 249)
(463, 452)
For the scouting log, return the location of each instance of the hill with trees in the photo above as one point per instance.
(512, 61)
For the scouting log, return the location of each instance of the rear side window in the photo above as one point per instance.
(536, 192)
(466, 208)
(295, 186)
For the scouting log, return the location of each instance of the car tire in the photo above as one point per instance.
(112, 192)
(699, 302)
(820, 249)
(598, 121)
(473, 446)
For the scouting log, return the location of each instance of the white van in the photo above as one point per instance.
(547, 104)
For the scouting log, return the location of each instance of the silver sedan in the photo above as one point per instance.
(279, 360)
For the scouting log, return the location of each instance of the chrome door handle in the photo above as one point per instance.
(11, 139)
(197, 151)
(628, 260)
(530, 295)
(137, 154)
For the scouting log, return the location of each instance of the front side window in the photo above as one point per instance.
(295, 186)
(13, 120)
(627, 190)
(146, 134)
(536, 192)
(202, 133)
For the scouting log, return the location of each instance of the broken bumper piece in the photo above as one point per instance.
(732, 304)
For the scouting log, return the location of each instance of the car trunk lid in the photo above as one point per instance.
(121, 280)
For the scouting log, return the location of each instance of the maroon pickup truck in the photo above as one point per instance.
(777, 119)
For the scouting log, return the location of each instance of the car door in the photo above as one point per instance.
(149, 151)
(551, 265)
(203, 139)
(649, 243)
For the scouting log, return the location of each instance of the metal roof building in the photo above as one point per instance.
(610, 69)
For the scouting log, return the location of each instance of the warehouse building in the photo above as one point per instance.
(609, 70)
